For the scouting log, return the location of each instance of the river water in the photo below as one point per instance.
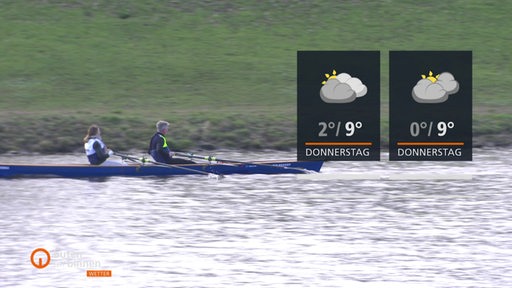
(264, 231)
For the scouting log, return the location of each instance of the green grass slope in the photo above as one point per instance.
(223, 72)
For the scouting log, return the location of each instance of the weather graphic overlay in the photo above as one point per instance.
(430, 112)
(338, 105)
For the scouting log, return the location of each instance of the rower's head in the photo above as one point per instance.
(94, 130)
(162, 126)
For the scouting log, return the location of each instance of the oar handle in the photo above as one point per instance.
(192, 155)
(143, 159)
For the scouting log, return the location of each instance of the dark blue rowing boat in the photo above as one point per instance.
(136, 170)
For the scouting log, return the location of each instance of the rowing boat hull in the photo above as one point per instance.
(85, 171)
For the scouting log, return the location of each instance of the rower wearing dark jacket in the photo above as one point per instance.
(159, 149)
(95, 149)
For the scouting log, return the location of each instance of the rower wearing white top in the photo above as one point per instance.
(95, 149)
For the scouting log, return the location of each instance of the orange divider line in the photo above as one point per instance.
(338, 143)
(430, 143)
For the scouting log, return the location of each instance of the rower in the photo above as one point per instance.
(159, 149)
(95, 149)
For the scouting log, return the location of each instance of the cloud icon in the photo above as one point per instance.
(435, 89)
(342, 88)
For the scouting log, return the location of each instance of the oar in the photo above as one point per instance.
(213, 158)
(144, 160)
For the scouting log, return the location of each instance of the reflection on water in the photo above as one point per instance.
(263, 231)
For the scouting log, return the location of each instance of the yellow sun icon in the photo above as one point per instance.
(430, 77)
(329, 76)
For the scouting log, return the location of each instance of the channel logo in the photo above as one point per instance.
(41, 258)
(41, 254)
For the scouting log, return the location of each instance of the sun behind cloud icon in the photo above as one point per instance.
(435, 89)
(341, 88)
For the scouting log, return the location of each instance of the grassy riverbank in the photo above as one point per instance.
(224, 73)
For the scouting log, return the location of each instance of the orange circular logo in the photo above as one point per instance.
(39, 264)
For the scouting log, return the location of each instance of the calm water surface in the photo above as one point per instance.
(263, 231)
